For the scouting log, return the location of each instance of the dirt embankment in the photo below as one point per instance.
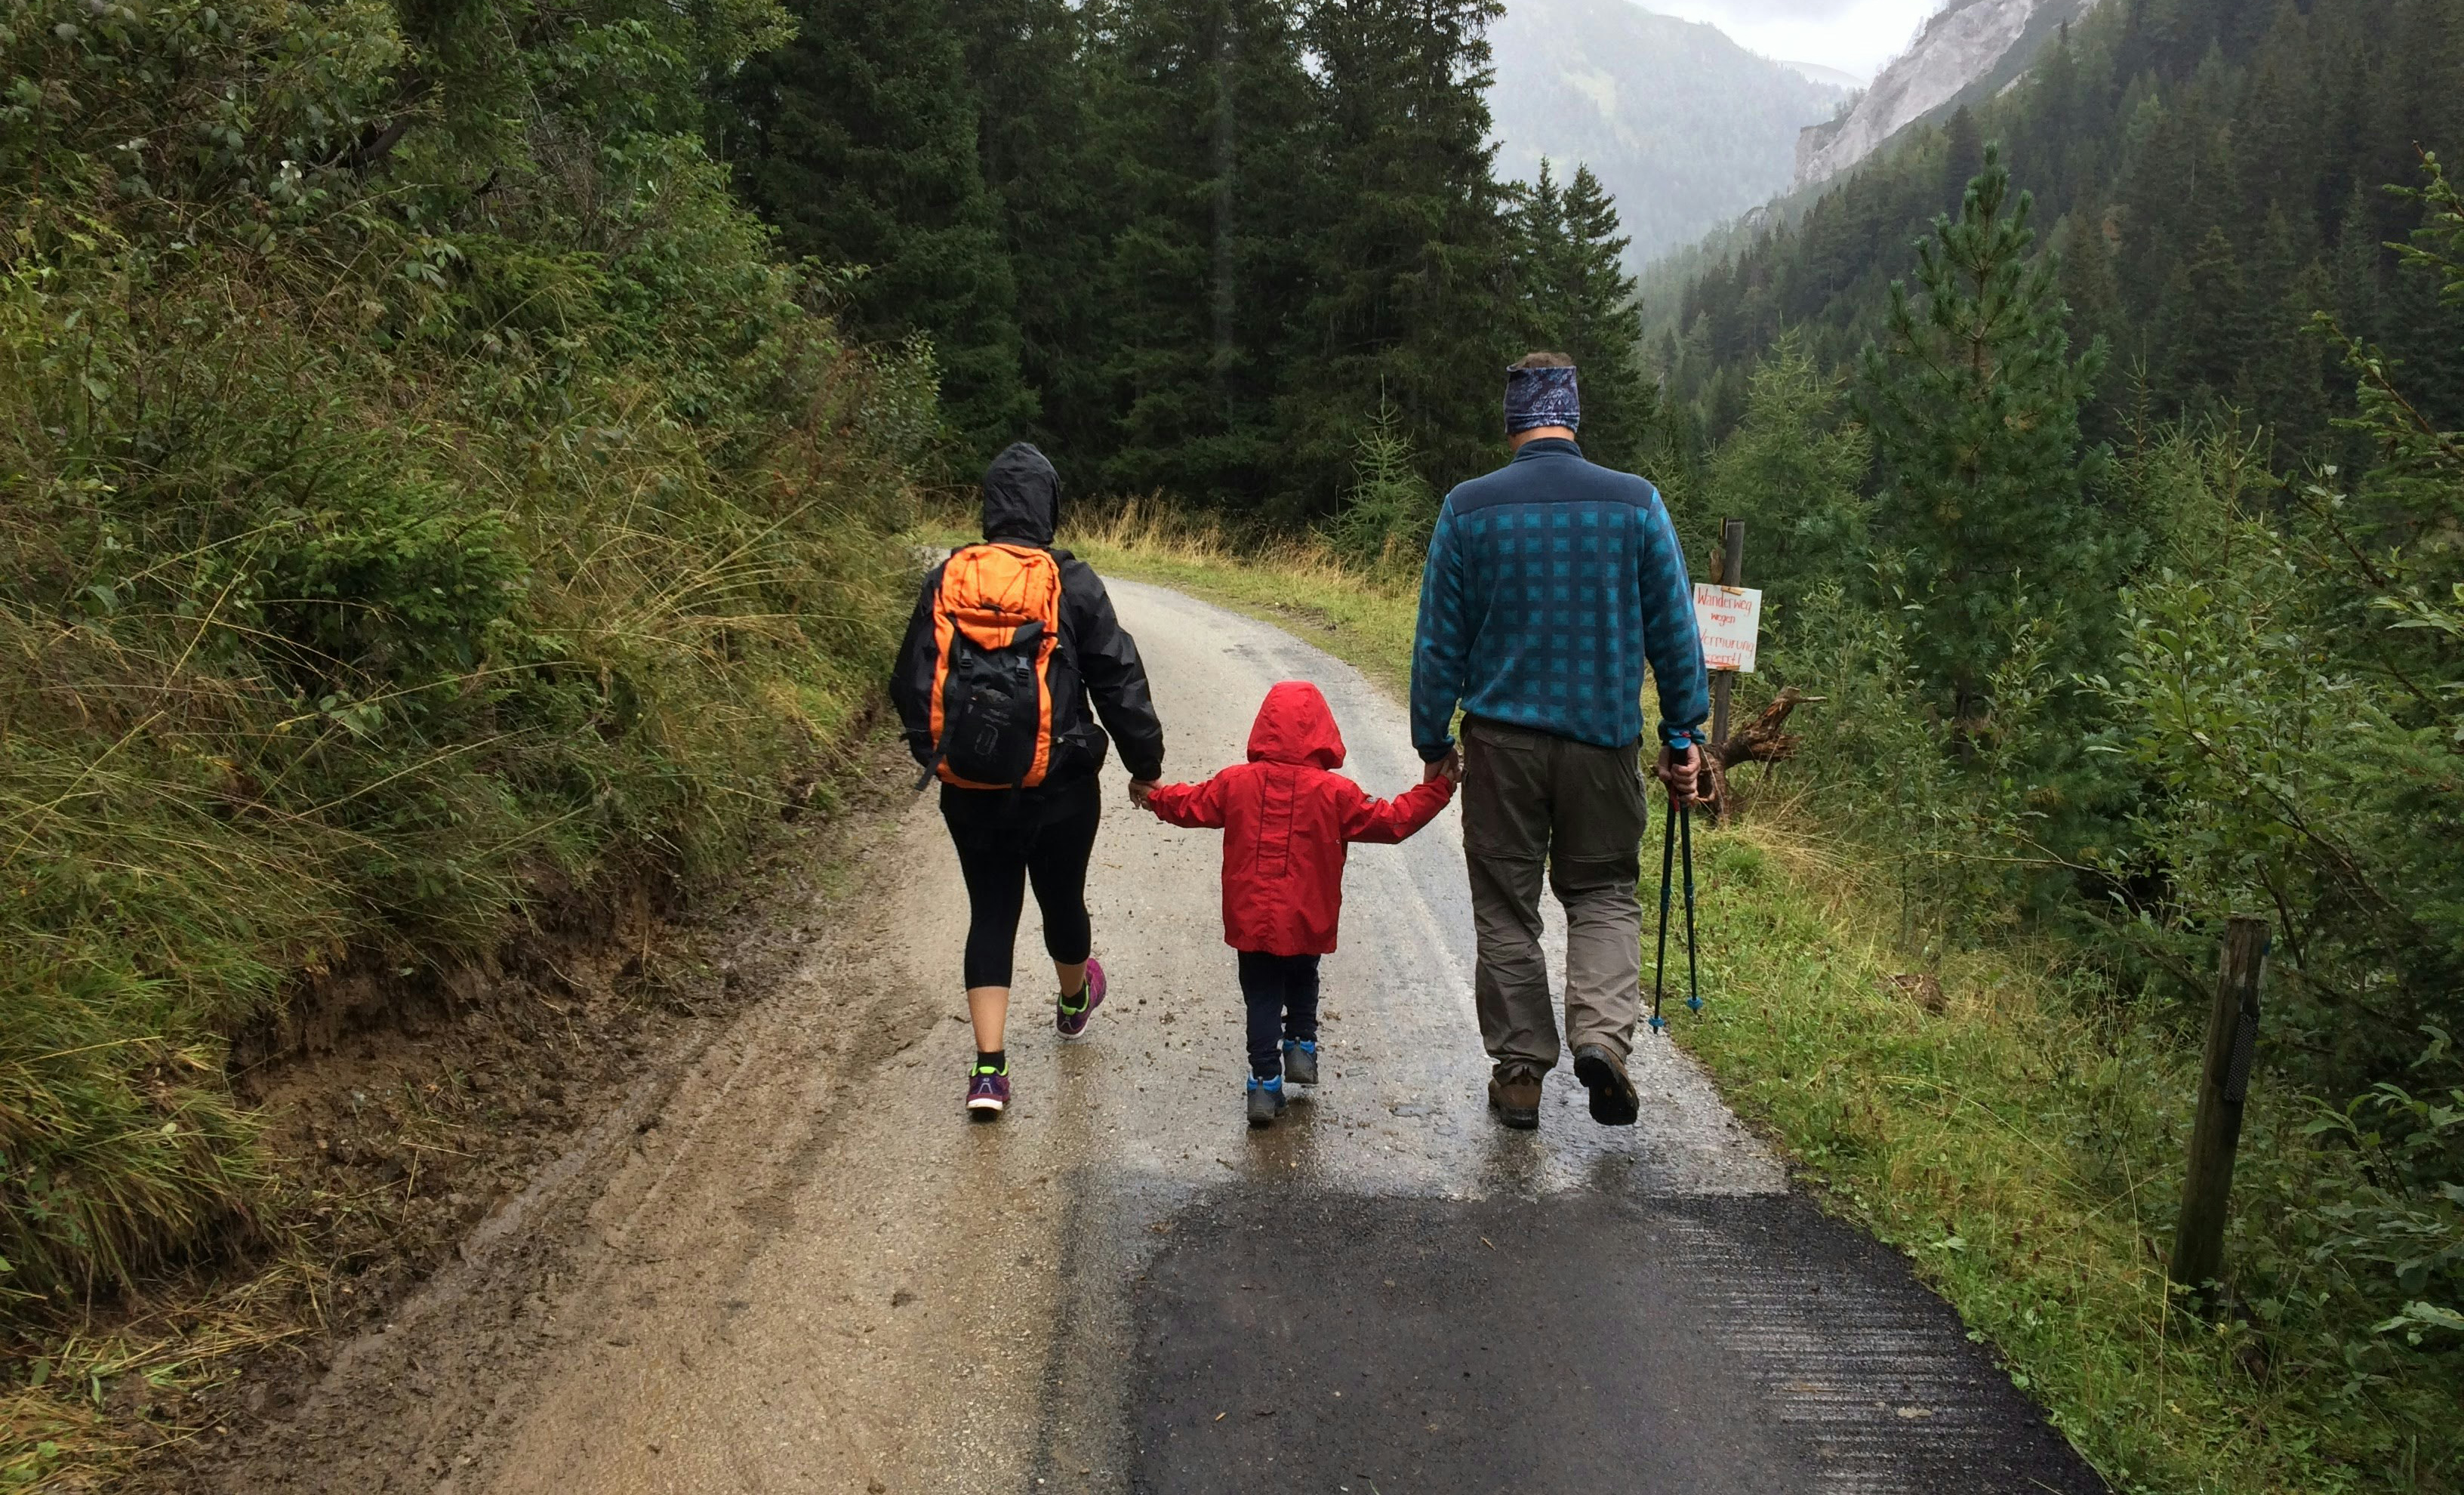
(403, 1109)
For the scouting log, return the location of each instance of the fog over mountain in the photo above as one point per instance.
(1685, 127)
(1836, 77)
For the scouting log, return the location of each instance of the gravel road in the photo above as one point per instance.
(791, 1267)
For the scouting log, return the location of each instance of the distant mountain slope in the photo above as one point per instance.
(2207, 182)
(1970, 50)
(1820, 74)
(1685, 127)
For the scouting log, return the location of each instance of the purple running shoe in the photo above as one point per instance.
(987, 1092)
(1071, 1022)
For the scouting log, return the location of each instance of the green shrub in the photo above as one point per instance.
(418, 487)
(1390, 510)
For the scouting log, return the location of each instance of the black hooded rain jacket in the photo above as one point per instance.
(1097, 660)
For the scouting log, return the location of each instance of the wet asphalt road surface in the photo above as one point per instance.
(1587, 1340)
(798, 1270)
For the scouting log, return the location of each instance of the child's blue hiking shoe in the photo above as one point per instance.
(1071, 1021)
(1300, 1061)
(1265, 1100)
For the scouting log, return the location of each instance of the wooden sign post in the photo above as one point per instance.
(2224, 1085)
(1732, 576)
(1728, 616)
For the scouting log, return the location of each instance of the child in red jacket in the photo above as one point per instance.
(1285, 819)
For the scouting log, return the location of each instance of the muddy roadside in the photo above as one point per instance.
(448, 1133)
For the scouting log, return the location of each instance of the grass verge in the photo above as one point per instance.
(1994, 1114)
(393, 559)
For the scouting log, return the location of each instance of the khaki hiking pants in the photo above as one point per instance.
(1533, 801)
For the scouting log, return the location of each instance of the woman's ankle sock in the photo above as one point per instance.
(994, 1062)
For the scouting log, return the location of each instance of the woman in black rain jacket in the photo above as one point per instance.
(1044, 834)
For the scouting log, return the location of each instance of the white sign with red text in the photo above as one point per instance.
(1729, 618)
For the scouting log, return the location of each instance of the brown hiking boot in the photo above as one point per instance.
(1614, 1101)
(1516, 1100)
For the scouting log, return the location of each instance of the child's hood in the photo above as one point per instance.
(1294, 726)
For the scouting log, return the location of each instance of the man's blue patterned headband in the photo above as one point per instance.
(1541, 397)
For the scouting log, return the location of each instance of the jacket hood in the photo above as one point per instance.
(1021, 497)
(1294, 726)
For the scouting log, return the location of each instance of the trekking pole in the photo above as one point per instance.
(1680, 829)
(1685, 834)
(1667, 870)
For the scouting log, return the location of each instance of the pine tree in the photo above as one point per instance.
(1578, 299)
(1389, 510)
(858, 142)
(1963, 153)
(1973, 401)
(1038, 68)
(1537, 228)
(1408, 259)
(2210, 322)
(1212, 122)
(1792, 473)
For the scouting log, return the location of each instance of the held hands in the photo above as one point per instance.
(1683, 774)
(1141, 790)
(1450, 768)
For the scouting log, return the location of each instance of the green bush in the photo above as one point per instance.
(418, 487)
(1390, 510)
(2271, 729)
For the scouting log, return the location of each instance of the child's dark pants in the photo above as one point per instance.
(1282, 994)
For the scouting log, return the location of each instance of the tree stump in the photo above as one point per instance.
(1765, 740)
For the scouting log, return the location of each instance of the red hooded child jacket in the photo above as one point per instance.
(1285, 819)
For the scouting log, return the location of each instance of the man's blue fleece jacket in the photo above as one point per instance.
(1550, 583)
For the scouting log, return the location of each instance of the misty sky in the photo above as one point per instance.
(1854, 35)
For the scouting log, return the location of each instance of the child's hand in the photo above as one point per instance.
(1454, 769)
(1142, 789)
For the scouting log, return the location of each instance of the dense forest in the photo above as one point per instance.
(1194, 247)
(2211, 174)
(2098, 449)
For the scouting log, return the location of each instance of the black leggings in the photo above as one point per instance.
(1007, 838)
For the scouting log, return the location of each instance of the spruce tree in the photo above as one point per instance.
(2209, 324)
(1407, 259)
(1974, 400)
(1578, 299)
(1604, 325)
(1963, 154)
(1536, 225)
(1213, 142)
(858, 142)
(1792, 473)
(1039, 69)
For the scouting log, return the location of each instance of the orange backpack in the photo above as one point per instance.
(995, 624)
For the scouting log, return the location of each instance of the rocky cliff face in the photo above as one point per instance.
(1685, 127)
(1969, 50)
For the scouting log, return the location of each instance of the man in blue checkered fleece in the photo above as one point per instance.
(1550, 583)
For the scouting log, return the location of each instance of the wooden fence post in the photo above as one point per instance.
(2224, 1085)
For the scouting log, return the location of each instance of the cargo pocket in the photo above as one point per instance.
(1603, 806)
(1504, 792)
